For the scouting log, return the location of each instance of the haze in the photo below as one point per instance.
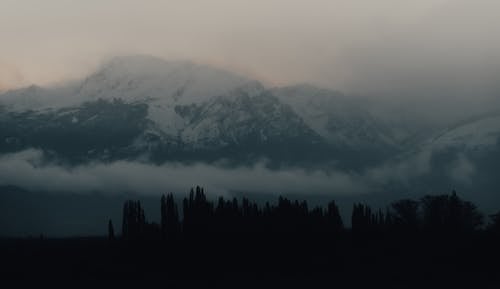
(401, 51)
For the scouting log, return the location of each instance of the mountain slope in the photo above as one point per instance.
(161, 110)
(336, 117)
(474, 135)
(464, 157)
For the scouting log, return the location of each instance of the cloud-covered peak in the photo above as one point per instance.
(143, 77)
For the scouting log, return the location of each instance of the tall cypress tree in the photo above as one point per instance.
(111, 230)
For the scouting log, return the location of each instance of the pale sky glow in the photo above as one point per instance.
(379, 47)
(44, 41)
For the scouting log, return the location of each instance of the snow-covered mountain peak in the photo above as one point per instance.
(140, 78)
(177, 109)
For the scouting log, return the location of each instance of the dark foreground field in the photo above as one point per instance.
(436, 242)
(242, 262)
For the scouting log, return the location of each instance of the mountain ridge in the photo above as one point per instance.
(179, 110)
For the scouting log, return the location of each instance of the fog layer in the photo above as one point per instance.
(437, 57)
(30, 170)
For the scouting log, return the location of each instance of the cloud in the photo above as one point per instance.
(411, 177)
(28, 169)
(462, 170)
(10, 77)
(402, 171)
(435, 60)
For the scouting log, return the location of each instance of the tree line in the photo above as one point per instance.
(199, 217)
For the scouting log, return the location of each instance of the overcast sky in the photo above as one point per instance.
(394, 48)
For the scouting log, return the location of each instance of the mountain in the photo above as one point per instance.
(343, 121)
(39, 98)
(476, 135)
(337, 117)
(475, 143)
(465, 156)
(156, 110)
(142, 108)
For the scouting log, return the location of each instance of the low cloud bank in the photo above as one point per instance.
(26, 169)
(29, 170)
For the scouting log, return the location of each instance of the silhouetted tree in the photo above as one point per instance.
(134, 221)
(293, 220)
(170, 224)
(494, 225)
(333, 218)
(198, 212)
(111, 231)
(448, 213)
(362, 218)
(404, 215)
